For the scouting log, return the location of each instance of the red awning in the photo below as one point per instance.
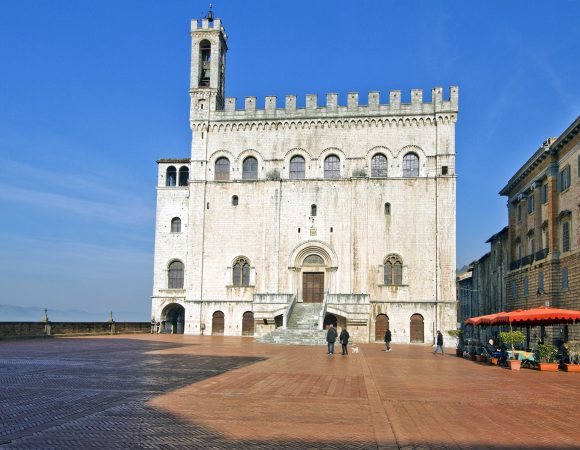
(483, 320)
(542, 315)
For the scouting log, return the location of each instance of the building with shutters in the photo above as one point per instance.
(349, 208)
(544, 232)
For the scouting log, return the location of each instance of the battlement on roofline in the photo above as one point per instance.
(373, 107)
(205, 24)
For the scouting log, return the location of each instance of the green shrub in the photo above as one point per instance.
(573, 349)
(546, 353)
(512, 338)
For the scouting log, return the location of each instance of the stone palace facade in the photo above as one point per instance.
(348, 208)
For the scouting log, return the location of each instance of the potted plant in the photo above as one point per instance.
(479, 354)
(573, 350)
(457, 335)
(512, 338)
(546, 356)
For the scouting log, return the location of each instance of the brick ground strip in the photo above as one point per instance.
(175, 392)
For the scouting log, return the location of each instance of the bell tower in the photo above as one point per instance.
(208, 64)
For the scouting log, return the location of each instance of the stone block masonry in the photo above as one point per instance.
(42, 329)
(322, 199)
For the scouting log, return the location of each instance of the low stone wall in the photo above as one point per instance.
(41, 329)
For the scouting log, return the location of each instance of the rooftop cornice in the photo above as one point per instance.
(540, 155)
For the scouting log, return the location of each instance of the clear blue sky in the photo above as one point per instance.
(92, 93)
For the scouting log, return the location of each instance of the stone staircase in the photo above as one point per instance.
(302, 328)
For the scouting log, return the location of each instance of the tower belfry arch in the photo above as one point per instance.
(208, 64)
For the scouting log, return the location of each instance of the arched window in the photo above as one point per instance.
(332, 167)
(183, 176)
(379, 166)
(176, 225)
(241, 272)
(175, 280)
(222, 169)
(297, 168)
(387, 209)
(250, 168)
(313, 210)
(235, 200)
(171, 176)
(204, 62)
(411, 165)
(393, 271)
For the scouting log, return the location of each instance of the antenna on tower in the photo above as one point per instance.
(209, 16)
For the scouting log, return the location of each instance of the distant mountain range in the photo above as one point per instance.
(12, 313)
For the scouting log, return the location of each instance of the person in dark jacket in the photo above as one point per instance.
(439, 343)
(344, 336)
(331, 338)
(388, 340)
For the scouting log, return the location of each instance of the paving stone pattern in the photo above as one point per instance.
(175, 392)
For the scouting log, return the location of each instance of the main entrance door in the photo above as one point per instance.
(312, 287)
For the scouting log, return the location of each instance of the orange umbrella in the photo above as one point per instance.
(483, 320)
(542, 315)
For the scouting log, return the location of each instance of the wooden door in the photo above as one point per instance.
(417, 329)
(381, 327)
(248, 324)
(217, 323)
(312, 287)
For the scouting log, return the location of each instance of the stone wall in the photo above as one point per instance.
(41, 329)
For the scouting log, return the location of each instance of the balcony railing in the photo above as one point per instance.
(527, 260)
(542, 254)
(515, 264)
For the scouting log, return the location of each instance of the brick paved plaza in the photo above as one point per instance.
(221, 392)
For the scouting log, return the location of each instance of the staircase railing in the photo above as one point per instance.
(323, 312)
(288, 311)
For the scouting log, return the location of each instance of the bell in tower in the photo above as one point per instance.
(208, 59)
(205, 63)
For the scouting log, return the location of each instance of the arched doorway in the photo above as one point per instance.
(248, 324)
(330, 319)
(417, 329)
(217, 323)
(173, 319)
(381, 327)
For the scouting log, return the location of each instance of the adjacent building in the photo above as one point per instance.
(544, 238)
(347, 206)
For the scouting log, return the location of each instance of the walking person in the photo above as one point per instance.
(439, 343)
(344, 336)
(331, 338)
(388, 340)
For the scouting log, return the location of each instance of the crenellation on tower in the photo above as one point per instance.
(311, 102)
(395, 99)
(331, 102)
(352, 100)
(395, 107)
(290, 103)
(374, 100)
(437, 97)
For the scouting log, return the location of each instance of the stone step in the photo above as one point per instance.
(294, 337)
